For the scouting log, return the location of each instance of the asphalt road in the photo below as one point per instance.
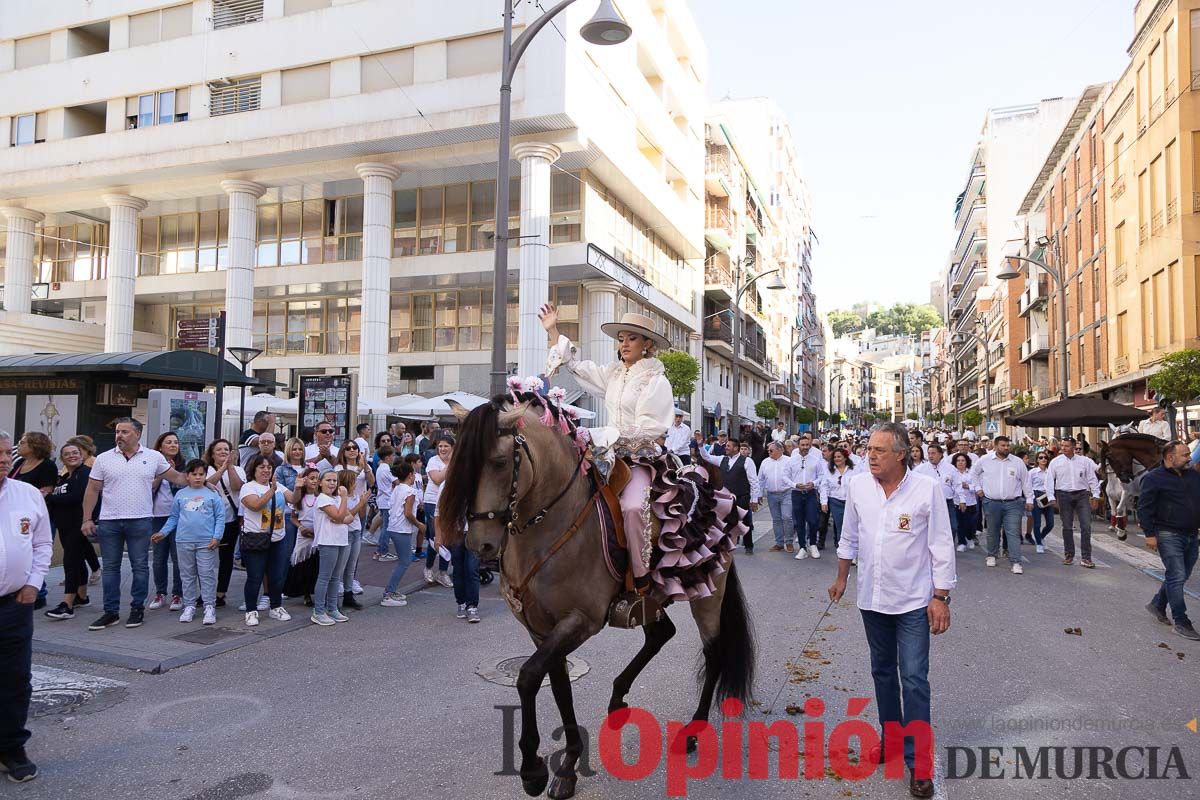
(390, 705)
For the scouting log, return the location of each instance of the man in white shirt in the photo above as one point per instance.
(945, 476)
(780, 433)
(806, 505)
(321, 452)
(776, 477)
(363, 439)
(1157, 425)
(1007, 498)
(679, 440)
(122, 479)
(897, 527)
(1074, 488)
(25, 547)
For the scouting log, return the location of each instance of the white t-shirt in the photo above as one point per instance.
(231, 509)
(308, 505)
(385, 481)
(164, 498)
(326, 531)
(312, 453)
(128, 491)
(434, 490)
(255, 521)
(360, 482)
(354, 499)
(397, 522)
(362, 446)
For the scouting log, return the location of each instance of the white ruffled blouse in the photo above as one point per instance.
(638, 398)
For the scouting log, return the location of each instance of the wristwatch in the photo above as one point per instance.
(945, 598)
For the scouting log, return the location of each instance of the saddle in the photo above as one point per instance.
(632, 608)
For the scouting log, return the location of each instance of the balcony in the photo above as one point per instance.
(1196, 202)
(1172, 211)
(718, 335)
(1118, 187)
(718, 172)
(1036, 346)
(1033, 296)
(1156, 223)
(718, 278)
(718, 226)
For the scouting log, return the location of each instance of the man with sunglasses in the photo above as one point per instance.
(322, 453)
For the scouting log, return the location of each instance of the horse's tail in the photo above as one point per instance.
(733, 648)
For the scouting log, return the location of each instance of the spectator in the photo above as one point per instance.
(435, 475)
(33, 465)
(966, 503)
(806, 504)
(321, 453)
(833, 485)
(351, 459)
(263, 534)
(286, 475)
(400, 530)
(384, 483)
(264, 421)
(332, 520)
(163, 548)
(65, 504)
(265, 447)
(302, 574)
(1074, 490)
(87, 445)
(88, 448)
(1169, 512)
(357, 503)
(1043, 512)
(123, 480)
(679, 439)
(363, 431)
(381, 438)
(197, 523)
(1004, 485)
(25, 546)
(226, 476)
(777, 477)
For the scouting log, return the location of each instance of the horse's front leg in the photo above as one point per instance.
(568, 634)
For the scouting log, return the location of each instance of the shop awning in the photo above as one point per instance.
(197, 366)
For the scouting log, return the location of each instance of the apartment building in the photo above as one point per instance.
(1151, 158)
(324, 172)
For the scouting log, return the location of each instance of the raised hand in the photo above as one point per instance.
(548, 314)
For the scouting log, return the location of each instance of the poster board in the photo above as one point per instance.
(328, 398)
(56, 415)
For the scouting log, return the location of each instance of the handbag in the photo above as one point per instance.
(258, 541)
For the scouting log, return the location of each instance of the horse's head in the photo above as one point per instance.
(506, 466)
(1119, 459)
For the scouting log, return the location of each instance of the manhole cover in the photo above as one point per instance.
(504, 673)
(208, 635)
(60, 691)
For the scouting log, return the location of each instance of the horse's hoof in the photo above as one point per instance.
(692, 744)
(617, 705)
(562, 787)
(1122, 536)
(534, 781)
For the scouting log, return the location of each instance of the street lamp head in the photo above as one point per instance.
(776, 283)
(244, 355)
(1042, 241)
(606, 26)
(1010, 270)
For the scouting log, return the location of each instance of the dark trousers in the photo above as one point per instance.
(465, 576)
(806, 516)
(900, 669)
(271, 563)
(1178, 553)
(225, 555)
(431, 551)
(76, 548)
(1076, 506)
(160, 553)
(16, 659)
(967, 522)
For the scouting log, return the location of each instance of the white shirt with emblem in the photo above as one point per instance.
(128, 491)
(1075, 474)
(808, 466)
(903, 543)
(25, 541)
(1003, 478)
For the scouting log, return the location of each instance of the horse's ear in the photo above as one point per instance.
(509, 417)
(459, 409)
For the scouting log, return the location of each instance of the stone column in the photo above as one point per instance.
(18, 269)
(534, 254)
(376, 278)
(122, 270)
(239, 272)
(599, 307)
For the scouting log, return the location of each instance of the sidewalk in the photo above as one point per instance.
(163, 643)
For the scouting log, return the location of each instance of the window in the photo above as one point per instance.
(327, 326)
(183, 243)
(404, 223)
(234, 97)
(31, 51)
(1171, 291)
(305, 84)
(229, 13)
(160, 25)
(71, 253)
(300, 6)
(343, 228)
(1195, 48)
(28, 129)
(431, 220)
(566, 202)
(1147, 310)
(381, 71)
(474, 55)
(423, 322)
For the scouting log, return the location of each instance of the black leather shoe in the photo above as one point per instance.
(919, 787)
(350, 601)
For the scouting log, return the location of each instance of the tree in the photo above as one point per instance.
(1178, 379)
(682, 371)
(804, 416)
(904, 318)
(766, 409)
(844, 322)
(972, 418)
(935, 417)
(1022, 402)
(912, 415)
(868, 418)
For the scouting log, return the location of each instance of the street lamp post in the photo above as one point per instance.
(604, 28)
(962, 337)
(792, 370)
(244, 356)
(739, 289)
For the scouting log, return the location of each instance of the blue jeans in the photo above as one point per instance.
(382, 549)
(351, 560)
(806, 516)
(466, 575)
(1043, 520)
(781, 516)
(1006, 515)
(403, 543)
(900, 668)
(117, 535)
(953, 509)
(837, 512)
(328, 591)
(1178, 553)
(162, 551)
(430, 550)
(271, 563)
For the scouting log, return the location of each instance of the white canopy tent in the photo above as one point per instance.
(291, 407)
(437, 406)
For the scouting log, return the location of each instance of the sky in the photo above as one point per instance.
(886, 100)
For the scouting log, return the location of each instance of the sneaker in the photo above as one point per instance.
(136, 617)
(393, 600)
(444, 580)
(17, 766)
(462, 611)
(350, 601)
(188, 614)
(473, 615)
(428, 573)
(210, 615)
(961, 548)
(356, 587)
(82, 602)
(418, 557)
(264, 603)
(971, 545)
(389, 557)
(1159, 614)
(1087, 562)
(1017, 570)
(813, 552)
(370, 538)
(176, 602)
(251, 619)
(61, 611)
(1040, 548)
(1187, 632)
(221, 603)
(321, 619)
(801, 553)
(337, 616)
(991, 561)
(280, 614)
(157, 602)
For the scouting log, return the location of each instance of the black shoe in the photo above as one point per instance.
(220, 602)
(749, 551)
(1158, 613)
(82, 602)
(106, 620)
(136, 617)
(61, 611)
(1187, 632)
(350, 601)
(37, 604)
(17, 766)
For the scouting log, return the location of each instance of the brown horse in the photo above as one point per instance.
(521, 485)
(1124, 450)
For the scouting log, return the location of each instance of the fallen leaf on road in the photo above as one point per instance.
(793, 709)
(1179, 656)
(1164, 645)
(1073, 631)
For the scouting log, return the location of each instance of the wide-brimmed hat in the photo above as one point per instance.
(639, 324)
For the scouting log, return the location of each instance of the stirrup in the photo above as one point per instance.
(633, 610)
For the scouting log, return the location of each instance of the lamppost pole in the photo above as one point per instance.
(739, 290)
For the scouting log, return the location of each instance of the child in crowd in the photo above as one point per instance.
(302, 575)
(403, 524)
(358, 495)
(332, 538)
(384, 484)
(197, 519)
